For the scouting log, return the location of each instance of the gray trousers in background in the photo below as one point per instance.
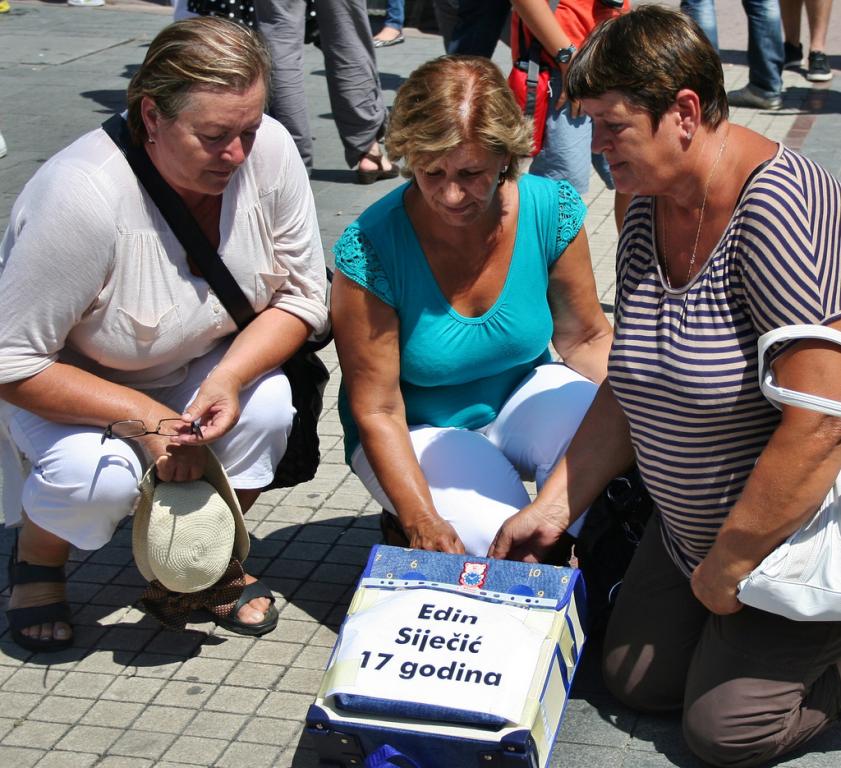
(752, 685)
(353, 82)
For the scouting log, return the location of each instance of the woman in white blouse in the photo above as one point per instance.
(106, 319)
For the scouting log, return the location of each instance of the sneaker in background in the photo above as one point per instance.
(2, 146)
(754, 99)
(793, 56)
(819, 71)
(86, 3)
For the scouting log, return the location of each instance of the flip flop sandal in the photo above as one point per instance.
(251, 592)
(369, 177)
(21, 572)
(388, 43)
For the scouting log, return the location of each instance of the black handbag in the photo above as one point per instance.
(609, 539)
(306, 372)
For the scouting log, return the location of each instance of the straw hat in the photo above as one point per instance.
(184, 534)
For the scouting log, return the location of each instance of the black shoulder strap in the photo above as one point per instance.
(182, 223)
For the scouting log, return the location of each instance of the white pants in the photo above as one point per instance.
(476, 477)
(82, 485)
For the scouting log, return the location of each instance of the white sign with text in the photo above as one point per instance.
(442, 649)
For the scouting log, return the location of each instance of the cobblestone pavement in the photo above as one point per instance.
(131, 695)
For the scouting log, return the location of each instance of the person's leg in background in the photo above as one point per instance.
(566, 155)
(471, 27)
(446, 17)
(703, 13)
(566, 151)
(765, 57)
(478, 27)
(392, 31)
(817, 13)
(353, 84)
(281, 23)
(765, 45)
(791, 12)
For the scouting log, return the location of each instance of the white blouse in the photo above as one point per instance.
(91, 274)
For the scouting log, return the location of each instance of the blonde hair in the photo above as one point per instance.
(203, 52)
(452, 100)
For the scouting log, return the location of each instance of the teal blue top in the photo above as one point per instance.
(458, 371)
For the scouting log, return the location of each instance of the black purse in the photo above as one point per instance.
(306, 372)
(608, 541)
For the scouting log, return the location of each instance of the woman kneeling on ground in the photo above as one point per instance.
(730, 235)
(107, 320)
(449, 291)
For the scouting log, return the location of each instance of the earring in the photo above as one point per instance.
(688, 135)
(150, 140)
(502, 176)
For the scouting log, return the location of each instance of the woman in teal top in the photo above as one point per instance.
(448, 292)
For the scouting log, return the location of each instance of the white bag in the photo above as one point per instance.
(801, 578)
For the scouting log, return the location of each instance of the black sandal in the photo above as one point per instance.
(21, 572)
(251, 592)
(369, 177)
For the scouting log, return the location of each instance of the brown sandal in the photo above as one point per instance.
(369, 177)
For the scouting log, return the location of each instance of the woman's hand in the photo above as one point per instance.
(215, 407)
(174, 463)
(715, 583)
(529, 534)
(434, 534)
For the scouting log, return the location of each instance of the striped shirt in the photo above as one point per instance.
(684, 364)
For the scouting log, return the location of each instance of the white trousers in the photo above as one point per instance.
(82, 485)
(476, 477)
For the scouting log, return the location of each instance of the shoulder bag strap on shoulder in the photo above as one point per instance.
(182, 223)
(533, 71)
(780, 395)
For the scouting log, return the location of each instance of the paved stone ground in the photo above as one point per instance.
(131, 695)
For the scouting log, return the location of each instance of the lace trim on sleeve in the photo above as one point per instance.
(357, 259)
(571, 212)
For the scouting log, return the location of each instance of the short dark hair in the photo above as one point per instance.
(648, 55)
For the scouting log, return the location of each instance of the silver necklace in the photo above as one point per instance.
(700, 219)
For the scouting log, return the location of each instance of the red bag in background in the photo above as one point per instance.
(533, 95)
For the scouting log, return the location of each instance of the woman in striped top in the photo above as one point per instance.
(729, 235)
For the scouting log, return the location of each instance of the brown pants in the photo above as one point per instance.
(752, 685)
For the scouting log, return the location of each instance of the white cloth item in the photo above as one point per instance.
(476, 477)
(81, 485)
(90, 273)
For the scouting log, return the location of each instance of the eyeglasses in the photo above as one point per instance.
(128, 428)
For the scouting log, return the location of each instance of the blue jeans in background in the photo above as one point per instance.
(395, 14)
(566, 153)
(703, 12)
(765, 39)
